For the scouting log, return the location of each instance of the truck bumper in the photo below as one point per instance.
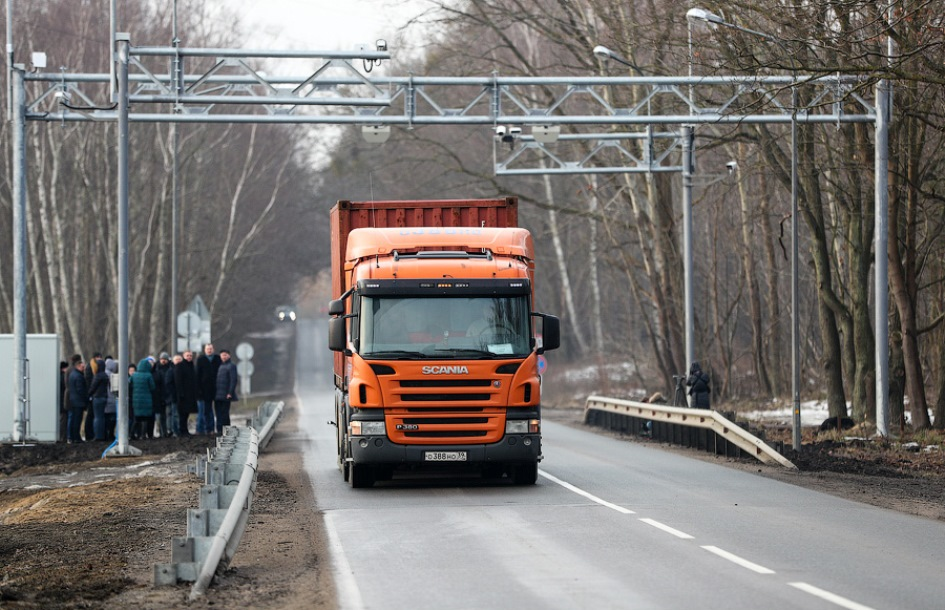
(514, 448)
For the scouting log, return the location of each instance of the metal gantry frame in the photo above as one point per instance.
(664, 118)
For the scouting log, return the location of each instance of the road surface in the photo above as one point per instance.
(610, 524)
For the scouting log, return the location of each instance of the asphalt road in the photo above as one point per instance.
(610, 524)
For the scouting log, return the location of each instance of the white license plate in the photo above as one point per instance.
(444, 456)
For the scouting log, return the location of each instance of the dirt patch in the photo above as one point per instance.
(77, 531)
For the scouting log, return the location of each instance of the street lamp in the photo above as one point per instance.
(604, 54)
(698, 14)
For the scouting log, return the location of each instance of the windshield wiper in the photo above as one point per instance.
(394, 354)
(468, 350)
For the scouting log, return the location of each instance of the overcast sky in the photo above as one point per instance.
(324, 24)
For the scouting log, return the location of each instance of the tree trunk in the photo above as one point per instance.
(561, 263)
(773, 344)
(593, 209)
(902, 272)
(751, 275)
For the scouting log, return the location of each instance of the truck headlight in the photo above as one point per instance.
(368, 428)
(523, 426)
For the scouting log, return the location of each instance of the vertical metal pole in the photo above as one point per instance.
(18, 153)
(123, 448)
(687, 135)
(881, 319)
(175, 186)
(10, 59)
(795, 331)
(113, 60)
(689, 31)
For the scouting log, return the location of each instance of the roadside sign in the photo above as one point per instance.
(188, 324)
(244, 351)
(245, 368)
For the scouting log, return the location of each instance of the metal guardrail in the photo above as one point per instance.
(215, 528)
(713, 431)
(265, 421)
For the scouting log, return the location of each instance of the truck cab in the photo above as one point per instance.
(440, 346)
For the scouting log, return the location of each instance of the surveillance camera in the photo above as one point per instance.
(381, 45)
(500, 131)
(732, 166)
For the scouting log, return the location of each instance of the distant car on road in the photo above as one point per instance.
(285, 313)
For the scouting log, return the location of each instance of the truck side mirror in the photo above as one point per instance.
(336, 307)
(337, 335)
(550, 333)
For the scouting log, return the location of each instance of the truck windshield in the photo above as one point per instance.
(434, 327)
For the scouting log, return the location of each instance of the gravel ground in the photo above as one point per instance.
(81, 532)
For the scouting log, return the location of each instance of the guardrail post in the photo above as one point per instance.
(214, 529)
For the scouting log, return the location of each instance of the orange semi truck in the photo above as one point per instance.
(436, 342)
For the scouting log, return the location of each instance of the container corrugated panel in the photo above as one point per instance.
(348, 215)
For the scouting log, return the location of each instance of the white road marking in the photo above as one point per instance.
(828, 596)
(667, 529)
(349, 596)
(754, 567)
(589, 496)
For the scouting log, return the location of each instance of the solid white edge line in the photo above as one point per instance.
(667, 529)
(754, 567)
(828, 596)
(346, 586)
(587, 495)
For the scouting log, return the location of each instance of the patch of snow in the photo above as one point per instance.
(141, 465)
(813, 413)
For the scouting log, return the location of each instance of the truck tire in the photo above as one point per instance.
(360, 475)
(525, 474)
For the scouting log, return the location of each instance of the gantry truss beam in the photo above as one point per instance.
(641, 114)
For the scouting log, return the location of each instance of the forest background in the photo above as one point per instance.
(254, 231)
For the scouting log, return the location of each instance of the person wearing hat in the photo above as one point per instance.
(160, 399)
(698, 383)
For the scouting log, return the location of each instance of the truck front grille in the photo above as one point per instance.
(444, 397)
(445, 410)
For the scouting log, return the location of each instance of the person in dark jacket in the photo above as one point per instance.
(63, 401)
(78, 398)
(130, 409)
(170, 397)
(142, 393)
(89, 373)
(698, 382)
(185, 385)
(226, 390)
(207, 365)
(111, 404)
(98, 393)
(160, 402)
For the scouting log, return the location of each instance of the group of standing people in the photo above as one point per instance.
(163, 394)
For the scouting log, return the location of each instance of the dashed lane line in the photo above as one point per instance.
(667, 529)
(754, 567)
(828, 596)
(810, 589)
(589, 496)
